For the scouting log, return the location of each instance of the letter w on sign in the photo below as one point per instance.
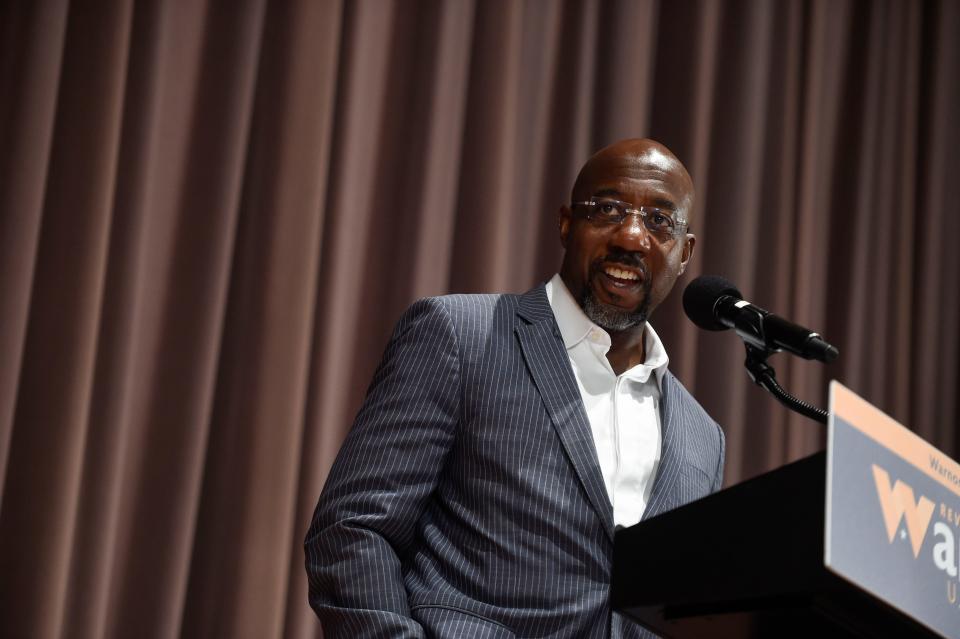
(898, 502)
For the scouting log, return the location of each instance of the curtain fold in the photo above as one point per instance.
(50, 424)
(32, 40)
(212, 213)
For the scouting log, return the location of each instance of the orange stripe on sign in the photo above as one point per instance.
(889, 433)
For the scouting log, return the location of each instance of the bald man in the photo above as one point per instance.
(505, 437)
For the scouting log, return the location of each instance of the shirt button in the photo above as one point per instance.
(595, 334)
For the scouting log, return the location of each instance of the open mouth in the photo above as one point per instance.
(620, 277)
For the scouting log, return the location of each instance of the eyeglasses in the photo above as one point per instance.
(659, 222)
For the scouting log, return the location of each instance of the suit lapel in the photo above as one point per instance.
(549, 366)
(671, 456)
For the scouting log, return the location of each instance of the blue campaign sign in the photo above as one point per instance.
(892, 513)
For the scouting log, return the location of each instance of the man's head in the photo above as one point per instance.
(619, 272)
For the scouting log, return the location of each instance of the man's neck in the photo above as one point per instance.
(627, 348)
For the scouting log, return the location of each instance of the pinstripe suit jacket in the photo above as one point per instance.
(467, 500)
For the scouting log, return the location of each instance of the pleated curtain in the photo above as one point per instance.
(212, 212)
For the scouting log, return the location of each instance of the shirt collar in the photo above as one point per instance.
(575, 327)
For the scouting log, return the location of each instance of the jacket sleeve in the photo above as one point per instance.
(379, 485)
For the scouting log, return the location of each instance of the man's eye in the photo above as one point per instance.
(661, 221)
(608, 209)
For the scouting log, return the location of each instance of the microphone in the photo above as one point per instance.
(714, 303)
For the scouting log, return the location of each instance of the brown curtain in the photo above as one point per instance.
(212, 212)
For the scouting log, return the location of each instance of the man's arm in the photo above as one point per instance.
(383, 476)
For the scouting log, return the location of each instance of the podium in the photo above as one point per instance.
(838, 544)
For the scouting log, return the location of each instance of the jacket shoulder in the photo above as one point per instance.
(470, 311)
(479, 322)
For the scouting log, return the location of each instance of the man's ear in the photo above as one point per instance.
(564, 218)
(690, 241)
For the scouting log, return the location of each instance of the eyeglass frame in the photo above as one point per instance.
(681, 226)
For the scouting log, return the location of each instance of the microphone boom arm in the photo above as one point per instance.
(764, 376)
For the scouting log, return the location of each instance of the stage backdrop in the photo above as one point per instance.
(212, 212)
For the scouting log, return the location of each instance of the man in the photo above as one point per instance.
(505, 437)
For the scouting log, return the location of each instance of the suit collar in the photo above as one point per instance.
(547, 361)
(671, 454)
(535, 307)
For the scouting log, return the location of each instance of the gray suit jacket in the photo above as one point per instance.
(467, 500)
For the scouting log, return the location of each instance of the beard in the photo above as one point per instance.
(611, 318)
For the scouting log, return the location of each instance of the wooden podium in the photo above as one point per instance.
(755, 560)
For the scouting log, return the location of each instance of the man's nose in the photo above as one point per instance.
(632, 234)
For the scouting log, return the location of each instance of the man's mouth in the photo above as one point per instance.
(621, 276)
(622, 279)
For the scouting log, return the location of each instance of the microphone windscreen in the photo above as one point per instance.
(700, 297)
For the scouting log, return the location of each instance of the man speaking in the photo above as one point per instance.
(505, 437)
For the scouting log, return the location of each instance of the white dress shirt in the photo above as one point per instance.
(624, 410)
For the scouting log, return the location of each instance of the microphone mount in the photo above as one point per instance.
(763, 375)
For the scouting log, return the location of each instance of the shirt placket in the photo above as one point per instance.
(617, 440)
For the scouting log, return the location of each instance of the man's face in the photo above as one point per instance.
(620, 273)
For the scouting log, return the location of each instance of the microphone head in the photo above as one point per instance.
(700, 297)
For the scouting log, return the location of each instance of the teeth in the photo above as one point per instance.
(620, 274)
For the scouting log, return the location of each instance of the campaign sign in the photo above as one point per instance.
(893, 513)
